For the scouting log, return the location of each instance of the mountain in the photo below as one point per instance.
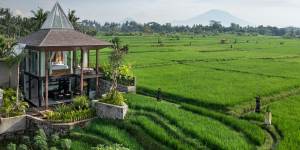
(218, 15)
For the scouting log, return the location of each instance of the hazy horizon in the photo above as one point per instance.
(280, 13)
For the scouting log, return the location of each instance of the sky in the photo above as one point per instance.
(280, 13)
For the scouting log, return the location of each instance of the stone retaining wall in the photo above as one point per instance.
(105, 86)
(13, 127)
(1, 97)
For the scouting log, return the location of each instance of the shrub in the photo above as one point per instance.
(22, 147)
(71, 115)
(26, 140)
(11, 107)
(81, 102)
(114, 97)
(66, 144)
(54, 139)
(125, 77)
(11, 146)
(53, 148)
(40, 140)
(110, 147)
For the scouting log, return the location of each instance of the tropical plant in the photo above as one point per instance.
(40, 140)
(11, 107)
(116, 59)
(54, 139)
(73, 18)
(6, 47)
(81, 102)
(114, 97)
(22, 147)
(110, 147)
(11, 146)
(68, 113)
(66, 144)
(39, 16)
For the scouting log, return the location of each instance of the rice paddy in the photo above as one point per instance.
(202, 80)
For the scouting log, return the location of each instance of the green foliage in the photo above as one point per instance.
(26, 140)
(6, 47)
(66, 144)
(11, 107)
(110, 147)
(53, 148)
(125, 76)
(114, 97)
(81, 102)
(54, 139)
(40, 140)
(11, 146)
(22, 147)
(72, 116)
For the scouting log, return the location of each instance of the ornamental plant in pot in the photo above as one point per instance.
(113, 105)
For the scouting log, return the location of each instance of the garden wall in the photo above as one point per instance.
(105, 86)
(14, 127)
(11, 127)
(1, 97)
(4, 75)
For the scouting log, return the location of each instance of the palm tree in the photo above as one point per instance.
(73, 18)
(16, 59)
(39, 16)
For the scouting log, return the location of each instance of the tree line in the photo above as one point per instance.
(13, 26)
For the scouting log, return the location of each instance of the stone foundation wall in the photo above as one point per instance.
(105, 86)
(15, 127)
(1, 97)
(11, 126)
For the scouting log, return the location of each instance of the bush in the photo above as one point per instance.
(54, 139)
(69, 114)
(110, 147)
(11, 107)
(66, 144)
(40, 140)
(11, 146)
(114, 97)
(81, 102)
(26, 140)
(22, 147)
(126, 76)
(53, 148)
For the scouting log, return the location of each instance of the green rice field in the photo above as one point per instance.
(203, 82)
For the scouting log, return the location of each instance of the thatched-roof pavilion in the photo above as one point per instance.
(52, 57)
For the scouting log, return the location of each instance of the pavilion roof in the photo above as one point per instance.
(58, 32)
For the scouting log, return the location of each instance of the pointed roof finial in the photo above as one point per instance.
(57, 19)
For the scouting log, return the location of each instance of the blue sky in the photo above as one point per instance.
(267, 12)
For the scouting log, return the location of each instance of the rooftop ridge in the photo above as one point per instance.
(57, 19)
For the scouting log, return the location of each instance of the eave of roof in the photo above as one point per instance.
(61, 38)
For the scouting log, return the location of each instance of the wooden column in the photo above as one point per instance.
(88, 59)
(97, 72)
(74, 61)
(81, 72)
(39, 92)
(46, 79)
